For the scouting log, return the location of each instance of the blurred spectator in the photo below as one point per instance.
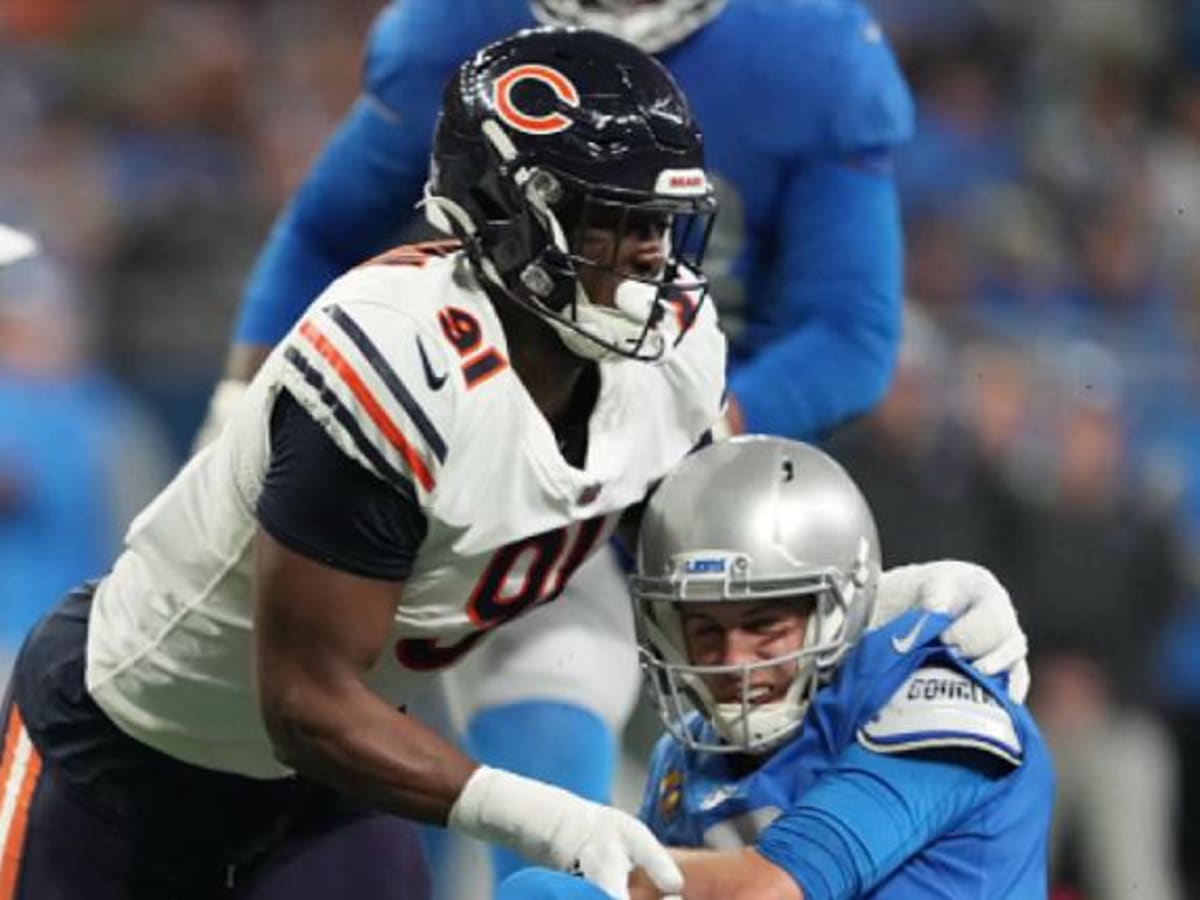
(1100, 578)
(78, 456)
(966, 137)
(1174, 173)
(927, 502)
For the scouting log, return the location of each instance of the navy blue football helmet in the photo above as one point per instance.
(553, 132)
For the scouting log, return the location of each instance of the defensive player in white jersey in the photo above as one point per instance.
(440, 441)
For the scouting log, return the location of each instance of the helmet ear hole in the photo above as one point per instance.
(487, 205)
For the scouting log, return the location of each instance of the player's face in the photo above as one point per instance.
(748, 632)
(637, 247)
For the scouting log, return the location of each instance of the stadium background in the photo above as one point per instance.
(1045, 417)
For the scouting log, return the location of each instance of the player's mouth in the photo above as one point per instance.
(765, 693)
(757, 695)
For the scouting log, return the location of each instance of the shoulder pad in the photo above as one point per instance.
(374, 379)
(841, 90)
(938, 707)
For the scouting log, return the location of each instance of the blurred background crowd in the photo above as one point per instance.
(1045, 418)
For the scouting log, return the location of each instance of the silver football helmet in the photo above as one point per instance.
(745, 519)
(652, 25)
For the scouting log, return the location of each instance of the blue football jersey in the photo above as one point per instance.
(961, 782)
(801, 102)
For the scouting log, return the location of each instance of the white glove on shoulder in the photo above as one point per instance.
(556, 828)
(985, 627)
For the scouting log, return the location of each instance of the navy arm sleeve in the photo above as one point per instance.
(860, 823)
(838, 285)
(322, 504)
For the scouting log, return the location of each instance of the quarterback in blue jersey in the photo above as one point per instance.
(807, 758)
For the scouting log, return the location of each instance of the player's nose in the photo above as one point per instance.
(645, 251)
(739, 648)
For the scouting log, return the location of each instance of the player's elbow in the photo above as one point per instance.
(298, 723)
(869, 351)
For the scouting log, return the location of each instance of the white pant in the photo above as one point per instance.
(1117, 796)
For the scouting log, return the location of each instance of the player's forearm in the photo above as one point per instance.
(724, 875)
(353, 741)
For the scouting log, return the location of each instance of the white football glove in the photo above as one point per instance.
(985, 627)
(557, 829)
(220, 409)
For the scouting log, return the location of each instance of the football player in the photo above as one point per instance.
(803, 103)
(447, 433)
(807, 758)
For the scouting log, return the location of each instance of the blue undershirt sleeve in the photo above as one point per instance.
(363, 189)
(860, 822)
(838, 294)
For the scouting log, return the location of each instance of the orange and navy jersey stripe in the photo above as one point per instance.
(416, 254)
(20, 772)
(345, 418)
(368, 398)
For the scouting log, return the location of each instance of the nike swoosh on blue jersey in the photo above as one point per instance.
(904, 644)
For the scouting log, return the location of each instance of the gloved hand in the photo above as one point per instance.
(555, 828)
(985, 627)
(220, 409)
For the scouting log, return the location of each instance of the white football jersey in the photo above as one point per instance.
(405, 365)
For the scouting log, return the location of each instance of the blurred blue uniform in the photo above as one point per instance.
(912, 776)
(801, 103)
(64, 496)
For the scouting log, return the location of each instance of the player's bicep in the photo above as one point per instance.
(334, 546)
(313, 622)
(861, 821)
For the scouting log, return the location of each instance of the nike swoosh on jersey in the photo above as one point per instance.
(435, 381)
(904, 644)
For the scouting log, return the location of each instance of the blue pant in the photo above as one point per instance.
(100, 816)
(542, 884)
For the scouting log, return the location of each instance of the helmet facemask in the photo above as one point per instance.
(745, 724)
(651, 26)
(536, 256)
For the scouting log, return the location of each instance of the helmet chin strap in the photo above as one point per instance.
(762, 728)
(619, 325)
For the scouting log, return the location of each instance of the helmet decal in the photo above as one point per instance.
(515, 117)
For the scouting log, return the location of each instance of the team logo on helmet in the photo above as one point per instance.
(513, 115)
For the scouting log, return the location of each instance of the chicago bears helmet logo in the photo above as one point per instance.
(514, 116)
